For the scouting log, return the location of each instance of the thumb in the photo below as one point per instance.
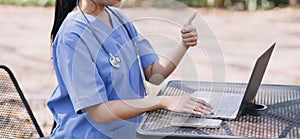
(190, 19)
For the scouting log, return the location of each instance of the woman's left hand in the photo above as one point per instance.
(189, 33)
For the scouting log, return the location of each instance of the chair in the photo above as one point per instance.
(16, 117)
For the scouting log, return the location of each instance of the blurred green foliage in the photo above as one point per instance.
(242, 4)
(250, 5)
(28, 2)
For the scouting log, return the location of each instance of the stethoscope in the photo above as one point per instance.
(115, 61)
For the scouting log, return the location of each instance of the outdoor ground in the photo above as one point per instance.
(242, 37)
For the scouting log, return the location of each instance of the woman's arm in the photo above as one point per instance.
(127, 109)
(160, 70)
(156, 73)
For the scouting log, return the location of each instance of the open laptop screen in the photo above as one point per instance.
(256, 78)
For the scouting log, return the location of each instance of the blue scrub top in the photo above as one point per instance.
(86, 78)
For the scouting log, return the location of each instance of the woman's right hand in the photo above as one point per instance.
(186, 104)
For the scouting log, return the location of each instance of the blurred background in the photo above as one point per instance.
(227, 4)
(234, 31)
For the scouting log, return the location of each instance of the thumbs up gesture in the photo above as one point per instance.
(189, 32)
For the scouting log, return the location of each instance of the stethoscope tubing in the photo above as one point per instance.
(112, 58)
(92, 29)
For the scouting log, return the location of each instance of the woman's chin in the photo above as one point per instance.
(117, 4)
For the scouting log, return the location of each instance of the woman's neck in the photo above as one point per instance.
(92, 8)
(97, 10)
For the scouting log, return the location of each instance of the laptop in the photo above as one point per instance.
(231, 105)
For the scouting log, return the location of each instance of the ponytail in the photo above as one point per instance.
(62, 8)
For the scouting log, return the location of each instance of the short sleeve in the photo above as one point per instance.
(148, 55)
(79, 73)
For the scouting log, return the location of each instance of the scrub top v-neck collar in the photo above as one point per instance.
(95, 21)
(110, 16)
(115, 32)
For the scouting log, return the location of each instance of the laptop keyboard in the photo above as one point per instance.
(227, 105)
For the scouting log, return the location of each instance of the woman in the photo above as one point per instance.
(100, 91)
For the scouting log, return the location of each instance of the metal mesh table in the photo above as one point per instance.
(280, 120)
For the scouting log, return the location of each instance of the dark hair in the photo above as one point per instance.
(62, 8)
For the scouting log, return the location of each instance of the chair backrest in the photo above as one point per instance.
(16, 117)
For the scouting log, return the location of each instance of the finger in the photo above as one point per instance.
(188, 29)
(189, 35)
(197, 113)
(191, 104)
(204, 110)
(204, 103)
(189, 40)
(201, 106)
(190, 19)
(190, 44)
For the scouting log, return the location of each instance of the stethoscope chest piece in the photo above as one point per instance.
(115, 61)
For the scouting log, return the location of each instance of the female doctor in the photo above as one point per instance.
(98, 56)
